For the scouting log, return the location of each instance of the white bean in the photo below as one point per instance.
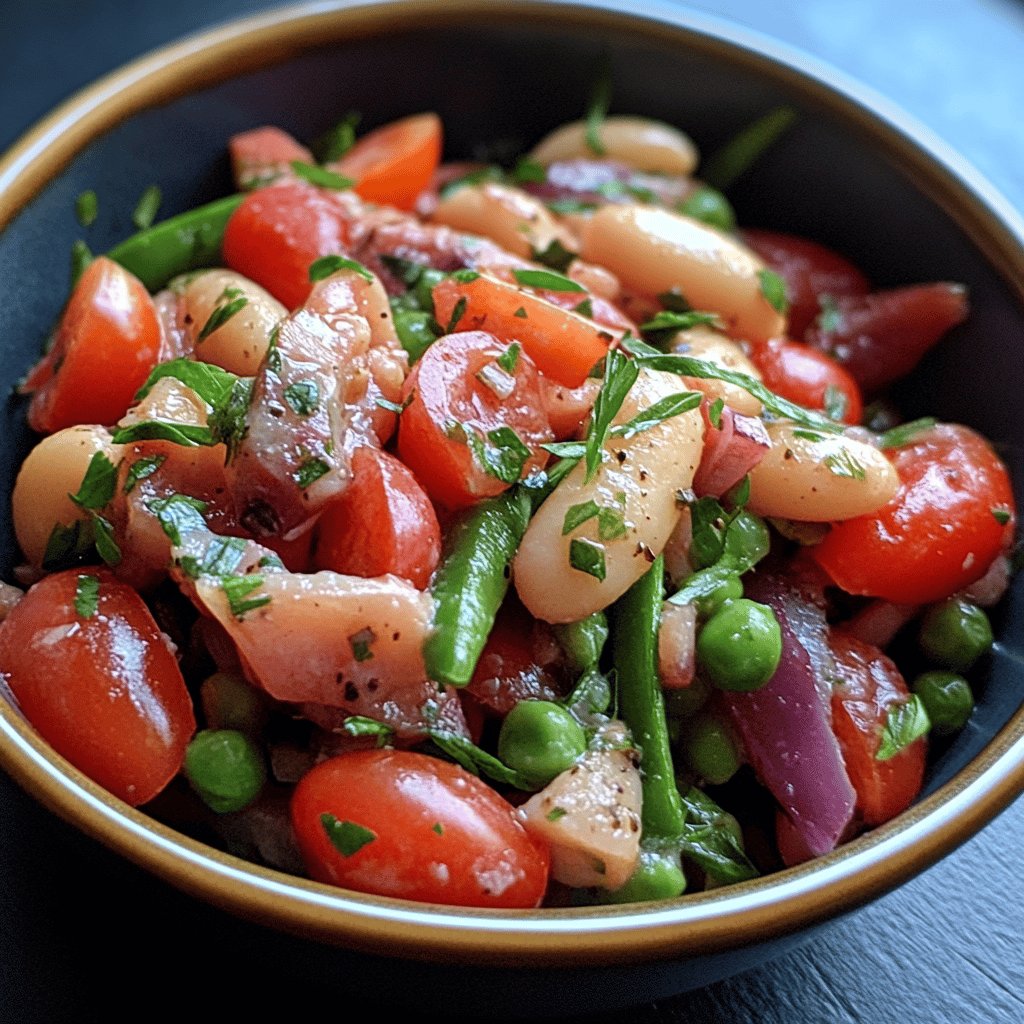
(816, 477)
(653, 251)
(53, 470)
(703, 342)
(638, 141)
(516, 221)
(637, 480)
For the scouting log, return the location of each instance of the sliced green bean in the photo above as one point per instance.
(470, 584)
(583, 641)
(189, 241)
(636, 617)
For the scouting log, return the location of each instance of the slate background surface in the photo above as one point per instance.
(85, 936)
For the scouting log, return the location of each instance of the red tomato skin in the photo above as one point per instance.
(443, 389)
(442, 835)
(938, 534)
(107, 693)
(394, 163)
(278, 231)
(869, 684)
(809, 270)
(382, 523)
(881, 337)
(107, 342)
(804, 375)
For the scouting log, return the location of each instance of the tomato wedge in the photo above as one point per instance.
(108, 694)
(393, 164)
(278, 231)
(106, 343)
(382, 523)
(564, 345)
(809, 377)
(868, 686)
(472, 427)
(952, 515)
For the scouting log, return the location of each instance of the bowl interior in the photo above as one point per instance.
(499, 79)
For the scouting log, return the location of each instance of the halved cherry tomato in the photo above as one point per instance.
(416, 828)
(107, 342)
(810, 270)
(446, 435)
(564, 345)
(260, 154)
(98, 681)
(881, 337)
(394, 164)
(941, 531)
(382, 523)
(805, 375)
(278, 231)
(868, 686)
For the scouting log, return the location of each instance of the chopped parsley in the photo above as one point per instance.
(476, 761)
(528, 172)
(773, 288)
(188, 435)
(237, 590)
(222, 557)
(358, 725)
(140, 469)
(554, 255)
(675, 301)
(346, 837)
(556, 813)
(361, 644)
(597, 109)
(844, 463)
(905, 433)
(663, 409)
(337, 141)
(904, 723)
(620, 374)
(502, 454)
(321, 176)
(146, 209)
(438, 828)
(328, 265)
(87, 595)
(509, 359)
(746, 147)
(547, 280)
(674, 320)
(476, 177)
(179, 514)
(571, 206)
(577, 515)
(715, 413)
(212, 384)
(231, 301)
(585, 308)
(310, 470)
(836, 403)
(87, 208)
(521, 313)
(611, 524)
(1000, 515)
(586, 556)
(302, 397)
(98, 485)
(457, 312)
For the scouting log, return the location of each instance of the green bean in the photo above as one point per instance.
(583, 641)
(658, 876)
(635, 620)
(470, 585)
(187, 242)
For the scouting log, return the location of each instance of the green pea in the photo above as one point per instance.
(955, 633)
(415, 331)
(229, 702)
(225, 768)
(707, 204)
(740, 645)
(540, 740)
(947, 698)
(688, 701)
(583, 641)
(424, 287)
(657, 876)
(710, 750)
(729, 589)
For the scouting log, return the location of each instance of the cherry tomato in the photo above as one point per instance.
(382, 523)
(868, 686)
(259, 155)
(278, 231)
(805, 375)
(938, 534)
(448, 429)
(394, 164)
(107, 341)
(881, 337)
(809, 270)
(97, 680)
(564, 345)
(417, 828)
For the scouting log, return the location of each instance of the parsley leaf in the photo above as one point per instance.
(477, 177)
(597, 109)
(835, 403)
(98, 485)
(528, 172)
(310, 470)
(179, 514)
(67, 545)
(337, 141)
(773, 288)
(103, 538)
(587, 556)
(708, 840)
(577, 515)
(327, 265)
(222, 557)
(905, 433)
(87, 208)
(502, 455)
(237, 590)
(87, 596)
(509, 359)
(321, 176)
(740, 153)
(361, 643)
(670, 320)
(844, 463)
(302, 397)
(665, 408)
(212, 384)
(585, 308)
(231, 301)
(346, 837)
(359, 725)
(188, 435)
(1000, 515)
(547, 280)
(611, 524)
(620, 375)
(715, 413)
(554, 255)
(466, 753)
(146, 209)
(904, 723)
(457, 311)
(228, 421)
(140, 469)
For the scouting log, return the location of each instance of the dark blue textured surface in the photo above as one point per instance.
(78, 924)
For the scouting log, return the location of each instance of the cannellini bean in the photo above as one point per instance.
(703, 342)
(638, 141)
(816, 477)
(677, 645)
(653, 251)
(637, 479)
(240, 344)
(516, 221)
(53, 470)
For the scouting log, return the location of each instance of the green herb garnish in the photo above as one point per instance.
(302, 397)
(773, 288)
(87, 596)
(237, 590)
(577, 515)
(597, 109)
(346, 837)
(87, 208)
(501, 455)
(231, 301)
(905, 433)
(547, 280)
(740, 153)
(140, 469)
(663, 409)
(310, 470)
(321, 176)
(146, 209)
(587, 556)
(905, 723)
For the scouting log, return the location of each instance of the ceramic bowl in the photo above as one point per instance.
(853, 173)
